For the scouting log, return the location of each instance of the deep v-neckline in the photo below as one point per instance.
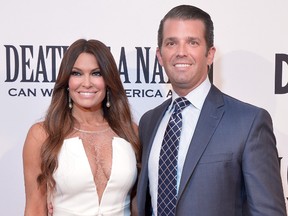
(100, 201)
(76, 192)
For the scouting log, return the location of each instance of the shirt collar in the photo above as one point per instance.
(197, 96)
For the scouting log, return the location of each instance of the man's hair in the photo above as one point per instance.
(189, 12)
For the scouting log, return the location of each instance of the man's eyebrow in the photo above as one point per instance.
(194, 38)
(170, 38)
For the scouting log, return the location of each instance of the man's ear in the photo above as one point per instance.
(159, 56)
(210, 55)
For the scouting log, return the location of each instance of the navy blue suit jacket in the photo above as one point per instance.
(231, 167)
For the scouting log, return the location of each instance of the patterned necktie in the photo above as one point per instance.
(167, 175)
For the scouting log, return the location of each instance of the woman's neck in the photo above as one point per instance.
(89, 119)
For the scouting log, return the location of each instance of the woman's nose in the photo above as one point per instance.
(86, 81)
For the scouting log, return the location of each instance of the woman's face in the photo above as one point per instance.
(87, 87)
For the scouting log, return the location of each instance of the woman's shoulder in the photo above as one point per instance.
(37, 128)
(36, 133)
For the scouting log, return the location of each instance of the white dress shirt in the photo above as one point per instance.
(190, 117)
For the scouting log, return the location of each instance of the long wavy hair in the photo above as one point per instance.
(59, 122)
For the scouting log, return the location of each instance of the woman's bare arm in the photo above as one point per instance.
(36, 198)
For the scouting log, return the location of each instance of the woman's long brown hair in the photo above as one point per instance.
(59, 121)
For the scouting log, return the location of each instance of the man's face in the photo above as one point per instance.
(184, 54)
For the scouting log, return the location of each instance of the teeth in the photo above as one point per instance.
(86, 93)
(182, 65)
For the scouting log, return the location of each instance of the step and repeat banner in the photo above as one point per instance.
(251, 63)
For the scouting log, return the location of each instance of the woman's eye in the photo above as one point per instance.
(75, 73)
(96, 73)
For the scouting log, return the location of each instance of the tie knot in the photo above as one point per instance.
(180, 103)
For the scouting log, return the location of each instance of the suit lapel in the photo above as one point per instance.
(153, 126)
(210, 116)
(147, 134)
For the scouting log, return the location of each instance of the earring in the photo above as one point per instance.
(108, 104)
(70, 102)
(70, 105)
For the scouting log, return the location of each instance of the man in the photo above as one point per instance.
(227, 161)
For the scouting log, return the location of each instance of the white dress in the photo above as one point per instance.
(76, 192)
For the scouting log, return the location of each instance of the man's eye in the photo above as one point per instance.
(75, 73)
(170, 43)
(96, 73)
(194, 43)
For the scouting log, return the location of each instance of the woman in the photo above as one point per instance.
(83, 157)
